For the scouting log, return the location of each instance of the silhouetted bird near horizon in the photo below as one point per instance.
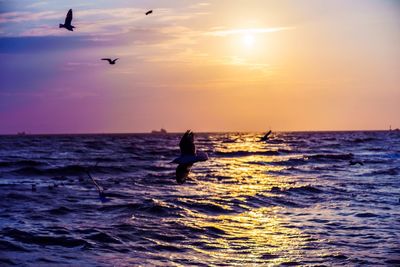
(67, 24)
(188, 157)
(111, 61)
(265, 137)
(355, 162)
(149, 12)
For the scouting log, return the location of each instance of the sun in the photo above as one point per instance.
(248, 40)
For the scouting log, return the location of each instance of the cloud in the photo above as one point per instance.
(11, 45)
(100, 21)
(246, 31)
(199, 5)
(24, 16)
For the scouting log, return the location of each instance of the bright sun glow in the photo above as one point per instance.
(248, 40)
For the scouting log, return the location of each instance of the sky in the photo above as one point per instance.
(209, 66)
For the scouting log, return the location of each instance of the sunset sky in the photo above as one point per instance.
(223, 65)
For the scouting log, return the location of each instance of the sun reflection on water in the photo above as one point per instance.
(257, 234)
(253, 236)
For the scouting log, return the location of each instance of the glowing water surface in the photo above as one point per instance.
(294, 200)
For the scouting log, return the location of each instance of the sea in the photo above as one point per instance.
(299, 199)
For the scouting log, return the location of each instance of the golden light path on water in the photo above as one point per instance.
(250, 237)
(259, 234)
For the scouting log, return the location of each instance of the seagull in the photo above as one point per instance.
(149, 12)
(111, 61)
(355, 162)
(265, 137)
(67, 24)
(188, 157)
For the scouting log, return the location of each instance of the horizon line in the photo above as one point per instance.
(199, 132)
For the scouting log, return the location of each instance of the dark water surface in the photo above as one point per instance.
(292, 201)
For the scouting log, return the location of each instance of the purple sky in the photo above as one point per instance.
(207, 66)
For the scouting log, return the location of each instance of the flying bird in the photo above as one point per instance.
(149, 12)
(111, 61)
(67, 24)
(188, 157)
(265, 137)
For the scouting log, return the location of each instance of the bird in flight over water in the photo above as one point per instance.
(111, 61)
(188, 157)
(67, 24)
(149, 12)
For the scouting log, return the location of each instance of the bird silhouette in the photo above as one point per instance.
(111, 61)
(149, 12)
(67, 24)
(188, 157)
(266, 136)
(355, 162)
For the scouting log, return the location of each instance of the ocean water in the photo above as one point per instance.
(294, 200)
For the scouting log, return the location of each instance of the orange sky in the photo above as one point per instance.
(211, 66)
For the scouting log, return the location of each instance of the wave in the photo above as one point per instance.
(305, 189)
(362, 140)
(103, 238)
(28, 171)
(366, 215)
(128, 207)
(68, 170)
(324, 157)
(243, 153)
(30, 163)
(391, 171)
(17, 196)
(290, 162)
(300, 190)
(8, 262)
(207, 207)
(60, 211)
(9, 246)
(44, 240)
(153, 207)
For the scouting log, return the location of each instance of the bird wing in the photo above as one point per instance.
(115, 60)
(266, 135)
(187, 144)
(68, 18)
(182, 172)
(108, 59)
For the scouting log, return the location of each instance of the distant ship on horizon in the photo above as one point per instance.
(21, 133)
(162, 131)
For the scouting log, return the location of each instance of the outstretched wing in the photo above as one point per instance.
(68, 18)
(115, 60)
(108, 59)
(187, 144)
(182, 172)
(267, 134)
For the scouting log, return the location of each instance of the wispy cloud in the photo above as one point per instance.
(247, 31)
(24, 16)
(101, 21)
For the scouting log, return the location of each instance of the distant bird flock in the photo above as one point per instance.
(68, 25)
